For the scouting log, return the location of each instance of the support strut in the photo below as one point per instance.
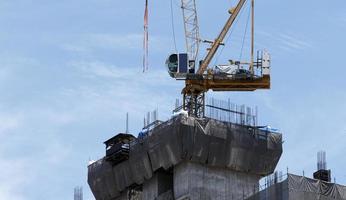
(194, 104)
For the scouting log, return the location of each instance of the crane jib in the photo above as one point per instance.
(221, 37)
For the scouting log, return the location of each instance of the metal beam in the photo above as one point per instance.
(221, 37)
(191, 28)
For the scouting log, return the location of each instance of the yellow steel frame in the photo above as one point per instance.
(195, 87)
(226, 84)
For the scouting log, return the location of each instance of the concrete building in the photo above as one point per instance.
(189, 159)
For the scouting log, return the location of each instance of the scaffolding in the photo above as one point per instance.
(226, 111)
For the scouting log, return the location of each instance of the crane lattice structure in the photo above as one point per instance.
(191, 27)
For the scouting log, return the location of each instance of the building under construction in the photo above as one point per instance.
(187, 158)
(207, 150)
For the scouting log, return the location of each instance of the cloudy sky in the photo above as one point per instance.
(71, 69)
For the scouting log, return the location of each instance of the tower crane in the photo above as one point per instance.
(236, 76)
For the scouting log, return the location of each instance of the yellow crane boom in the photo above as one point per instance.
(219, 40)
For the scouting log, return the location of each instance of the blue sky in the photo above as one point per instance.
(71, 69)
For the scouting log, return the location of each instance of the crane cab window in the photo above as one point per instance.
(178, 65)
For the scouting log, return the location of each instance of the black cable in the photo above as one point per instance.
(246, 28)
(228, 37)
(173, 30)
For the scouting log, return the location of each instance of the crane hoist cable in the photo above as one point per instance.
(245, 32)
(229, 36)
(173, 30)
(223, 47)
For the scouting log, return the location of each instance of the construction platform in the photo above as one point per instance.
(188, 158)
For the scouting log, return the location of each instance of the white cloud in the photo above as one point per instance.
(8, 123)
(14, 176)
(56, 153)
(75, 48)
(96, 69)
(4, 74)
(309, 126)
(130, 41)
(125, 42)
(293, 42)
(343, 19)
(30, 150)
(125, 89)
(285, 41)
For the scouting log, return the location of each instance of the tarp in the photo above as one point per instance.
(299, 187)
(209, 142)
(199, 182)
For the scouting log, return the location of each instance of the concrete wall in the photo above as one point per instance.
(123, 196)
(199, 182)
(160, 183)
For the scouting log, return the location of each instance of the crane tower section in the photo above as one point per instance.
(191, 29)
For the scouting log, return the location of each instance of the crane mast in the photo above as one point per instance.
(191, 28)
